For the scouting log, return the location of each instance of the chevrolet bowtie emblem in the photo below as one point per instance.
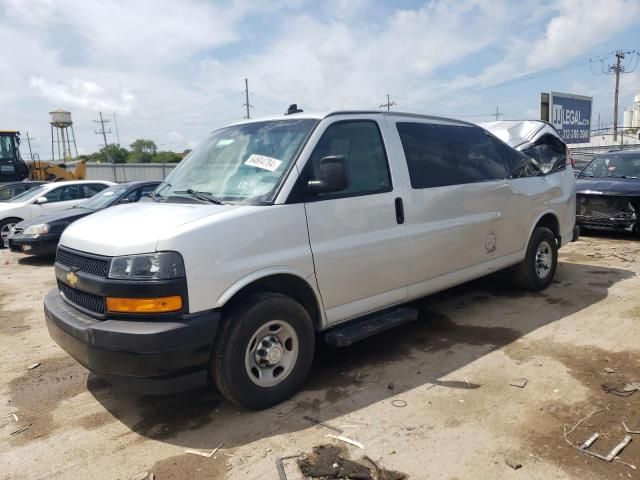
(72, 278)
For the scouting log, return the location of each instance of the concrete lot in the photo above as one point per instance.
(453, 368)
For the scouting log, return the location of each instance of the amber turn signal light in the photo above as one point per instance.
(144, 305)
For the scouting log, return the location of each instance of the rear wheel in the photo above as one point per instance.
(5, 229)
(264, 350)
(537, 270)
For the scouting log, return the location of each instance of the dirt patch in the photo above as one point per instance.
(13, 322)
(332, 462)
(35, 394)
(165, 417)
(95, 420)
(190, 467)
(544, 432)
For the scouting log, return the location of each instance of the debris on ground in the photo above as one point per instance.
(622, 390)
(611, 455)
(315, 421)
(280, 466)
(391, 386)
(608, 370)
(287, 410)
(142, 476)
(355, 443)
(7, 419)
(628, 430)
(332, 462)
(513, 461)
(519, 382)
(399, 403)
(19, 431)
(33, 365)
(203, 454)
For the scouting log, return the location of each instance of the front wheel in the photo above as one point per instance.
(538, 268)
(264, 351)
(5, 229)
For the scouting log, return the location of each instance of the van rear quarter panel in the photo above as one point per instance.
(220, 252)
(533, 197)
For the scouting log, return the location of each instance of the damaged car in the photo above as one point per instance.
(537, 139)
(608, 192)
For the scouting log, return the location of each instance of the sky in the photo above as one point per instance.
(173, 71)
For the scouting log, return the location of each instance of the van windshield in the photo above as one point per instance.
(242, 163)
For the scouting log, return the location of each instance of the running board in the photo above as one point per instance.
(356, 330)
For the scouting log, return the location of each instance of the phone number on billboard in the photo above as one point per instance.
(575, 134)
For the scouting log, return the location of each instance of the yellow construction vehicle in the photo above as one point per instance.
(13, 168)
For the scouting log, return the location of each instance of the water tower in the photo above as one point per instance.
(61, 136)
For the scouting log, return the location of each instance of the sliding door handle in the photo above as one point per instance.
(399, 211)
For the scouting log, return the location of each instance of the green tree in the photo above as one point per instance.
(167, 157)
(114, 153)
(142, 151)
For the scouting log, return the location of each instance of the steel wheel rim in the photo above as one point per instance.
(271, 353)
(6, 230)
(544, 259)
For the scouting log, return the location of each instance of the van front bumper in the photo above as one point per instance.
(143, 354)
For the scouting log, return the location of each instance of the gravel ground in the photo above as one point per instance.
(432, 399)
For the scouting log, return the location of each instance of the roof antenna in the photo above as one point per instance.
(293, 108)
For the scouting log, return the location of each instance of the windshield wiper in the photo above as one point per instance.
(203, 196)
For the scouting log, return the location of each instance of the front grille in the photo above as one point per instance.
(98, 267)
(604, 207)
(88, 301)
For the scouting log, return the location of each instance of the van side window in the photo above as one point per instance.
(478, 159)
(550, 153)
(429, 156)
(361, 145)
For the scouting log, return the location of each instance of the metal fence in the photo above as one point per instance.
(128, 172)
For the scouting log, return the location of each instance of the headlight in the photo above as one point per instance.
(149, 266)
(36, 229)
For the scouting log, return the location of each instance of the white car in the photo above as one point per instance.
(275, 232)
(46, 198)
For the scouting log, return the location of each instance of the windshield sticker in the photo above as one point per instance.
(224, 142)
(266, 163)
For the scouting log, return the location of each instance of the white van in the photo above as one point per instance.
(274, 232)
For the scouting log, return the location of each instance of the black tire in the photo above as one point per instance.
(3, 224)
(242, 321)
(525, 273)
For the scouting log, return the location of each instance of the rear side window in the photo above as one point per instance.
(478, 160)
(517, 163)
(361, 145)
(90, 189)
(429, 156)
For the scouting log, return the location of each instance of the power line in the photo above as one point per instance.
(389, 103)
(115, 122)
(617, 69)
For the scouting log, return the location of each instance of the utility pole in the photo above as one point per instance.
(389, 103)
(498, 113)
(29, 143)
(115, 122)
(246, 96)
(618, 68)
(104, 132)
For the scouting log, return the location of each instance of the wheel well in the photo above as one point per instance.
(550, 221)
(286, 284)
(11, 219)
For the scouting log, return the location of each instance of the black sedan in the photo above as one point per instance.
(608, 192)
(8, 190)
(40, 236)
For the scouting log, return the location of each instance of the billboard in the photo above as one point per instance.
(569, 114)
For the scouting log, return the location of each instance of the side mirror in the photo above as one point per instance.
(332, 176)
(41, 200)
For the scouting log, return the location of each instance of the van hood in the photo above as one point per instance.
(133, 228)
